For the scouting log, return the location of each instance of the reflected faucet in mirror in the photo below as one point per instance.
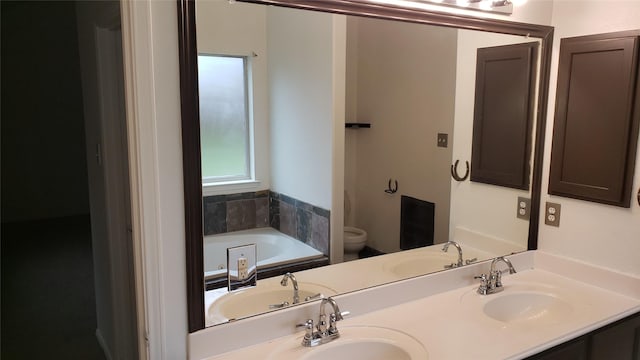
(460, 262)
(445, 248)
(294, 283)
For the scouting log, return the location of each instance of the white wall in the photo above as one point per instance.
(483, 208)
(240, 29)
(150, 52)
(599, 234)
(405, 88)
(301, 88)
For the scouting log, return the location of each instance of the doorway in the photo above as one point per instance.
(67, 278)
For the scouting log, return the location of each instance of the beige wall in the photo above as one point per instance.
(301, 103)
(599, 234)
(306, 88)
(405, 76)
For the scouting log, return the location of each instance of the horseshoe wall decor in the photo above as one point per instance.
(391, 190)
(454, 171)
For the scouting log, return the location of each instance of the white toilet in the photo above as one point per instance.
(354, 241)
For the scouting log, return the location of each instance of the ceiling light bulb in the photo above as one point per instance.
(486, 4)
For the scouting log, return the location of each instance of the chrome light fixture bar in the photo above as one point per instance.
(496, 6)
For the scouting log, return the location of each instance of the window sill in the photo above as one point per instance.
(230, 187)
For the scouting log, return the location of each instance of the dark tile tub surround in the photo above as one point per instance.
(233, 212)
(250, 210)
(301, 220)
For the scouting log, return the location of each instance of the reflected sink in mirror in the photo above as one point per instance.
(427, 260)
(262, 298)
(527, 307)
(357, 342)
(418, 264)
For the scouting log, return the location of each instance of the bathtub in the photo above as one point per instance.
(273, 248)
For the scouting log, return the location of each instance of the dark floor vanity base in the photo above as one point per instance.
(617, 341)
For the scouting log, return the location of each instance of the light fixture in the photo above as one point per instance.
(498, 6)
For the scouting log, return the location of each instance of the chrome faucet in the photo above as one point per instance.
(493, 283)
(445, 248)
(294, 282)
(460, 262)
(323, 333)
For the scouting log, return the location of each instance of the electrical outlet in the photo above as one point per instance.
(243, 269)
(552, 214)
(524, 208)
(443, 140)
(241, 266)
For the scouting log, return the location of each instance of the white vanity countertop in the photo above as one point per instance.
(451, 324)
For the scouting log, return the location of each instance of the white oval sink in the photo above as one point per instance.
(526, 307)
(357, 342)
(521, 303)
(257, 300)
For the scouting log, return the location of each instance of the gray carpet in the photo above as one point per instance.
(48, 301)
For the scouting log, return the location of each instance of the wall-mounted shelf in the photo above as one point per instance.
(357, 125)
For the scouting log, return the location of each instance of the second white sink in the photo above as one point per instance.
(527, 306)
(521, 303)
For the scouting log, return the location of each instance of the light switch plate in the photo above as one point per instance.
(524, 208)
(443, 140)
(241, 266)
(552, 214)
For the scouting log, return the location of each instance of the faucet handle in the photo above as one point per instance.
(484, 287)
(333, 318)
(313, 297)
(469, 261)
(279, 306)
(482, 277)
(307, 324)
(308, 332)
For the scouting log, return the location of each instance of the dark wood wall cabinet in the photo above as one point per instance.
(503, 115)
(617, 341)
(597, 114)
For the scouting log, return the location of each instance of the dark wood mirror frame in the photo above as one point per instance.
(191, 123)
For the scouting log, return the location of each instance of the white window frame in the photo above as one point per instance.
(230, 184)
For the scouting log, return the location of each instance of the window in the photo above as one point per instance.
(224, 119)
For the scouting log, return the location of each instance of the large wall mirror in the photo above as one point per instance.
(356, 112)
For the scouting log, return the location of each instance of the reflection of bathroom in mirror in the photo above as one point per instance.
(309, 73)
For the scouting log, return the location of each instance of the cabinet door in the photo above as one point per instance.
(620, 341)
(596, 119)
(503, 115)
